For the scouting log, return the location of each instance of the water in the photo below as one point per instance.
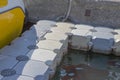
(80, 65)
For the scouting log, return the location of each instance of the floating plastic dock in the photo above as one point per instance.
(36, 54)
(19, 60)
(81, 39)
(102, 42)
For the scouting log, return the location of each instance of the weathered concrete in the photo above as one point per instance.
(102, 12)
(45, 9)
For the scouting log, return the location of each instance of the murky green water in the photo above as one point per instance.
(93, 66)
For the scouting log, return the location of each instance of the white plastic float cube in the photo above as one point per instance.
(116, 46)
(54, 46)
(63, 27)
(65, 24)
(44, 25)
(104, 29)
(47, 23)
(56, 36)
(38, 31)
(36, 69)
(18, 77)
(81, 39)
(46, 56)
(60, 37)
(49, 44)
(102, 42)
(84, 27)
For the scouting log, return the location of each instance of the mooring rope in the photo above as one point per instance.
(68, 11)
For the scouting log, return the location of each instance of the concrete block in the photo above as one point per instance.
(33, 68)
(80, 39)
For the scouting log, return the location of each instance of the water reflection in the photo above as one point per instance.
(80, 65)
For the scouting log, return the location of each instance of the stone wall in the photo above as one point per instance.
(94, 12)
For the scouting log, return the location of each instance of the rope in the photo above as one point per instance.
(68, 11)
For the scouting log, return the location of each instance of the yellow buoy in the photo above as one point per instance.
(11, 22)
(3, 3)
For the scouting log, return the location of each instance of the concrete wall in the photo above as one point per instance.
(46, 9)
(102, 13)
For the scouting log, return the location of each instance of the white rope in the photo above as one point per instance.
(68, 11)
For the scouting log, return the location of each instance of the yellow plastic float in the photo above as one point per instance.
(11, 20)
